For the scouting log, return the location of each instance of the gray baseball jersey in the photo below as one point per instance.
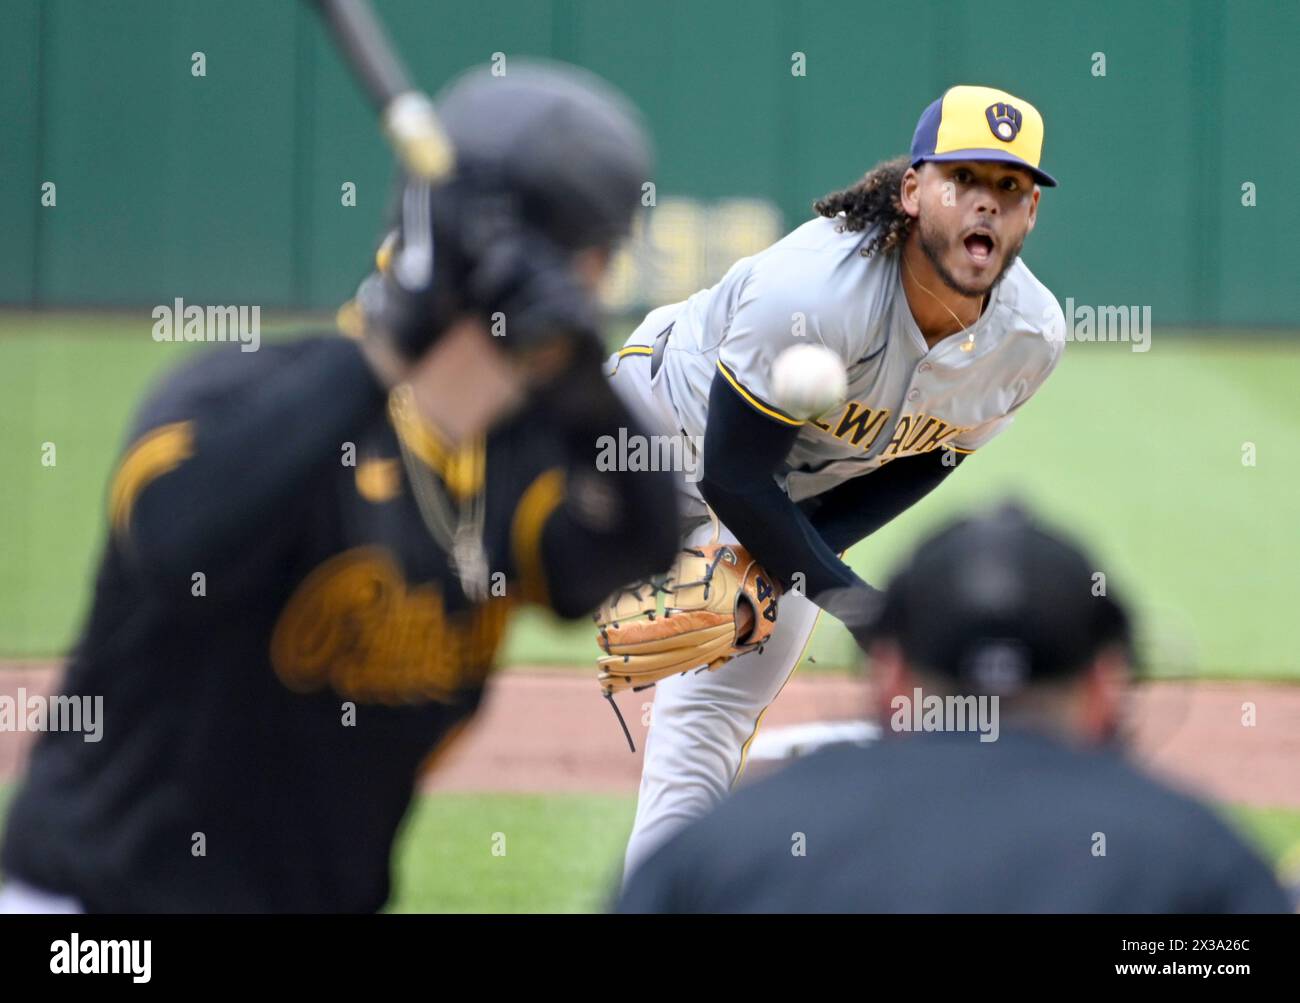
(903, 397)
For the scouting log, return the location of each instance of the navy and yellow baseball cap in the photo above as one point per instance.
(981, 123)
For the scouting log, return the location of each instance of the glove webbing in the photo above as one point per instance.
(656, 586)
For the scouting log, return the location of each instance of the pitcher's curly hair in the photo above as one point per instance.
(873, 200)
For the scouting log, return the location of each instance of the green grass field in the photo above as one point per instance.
(563, 852)
(1141, 455)
(511, 853)
(567, 855)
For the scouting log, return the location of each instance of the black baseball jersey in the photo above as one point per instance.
(941, 823)
(280, 641)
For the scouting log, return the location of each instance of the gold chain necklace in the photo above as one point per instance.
(969, 343)
(459, 535)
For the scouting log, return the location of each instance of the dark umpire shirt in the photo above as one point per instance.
(280, 643)
(943, 823)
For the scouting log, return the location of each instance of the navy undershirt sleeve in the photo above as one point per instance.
(743, 450)
(855, 509)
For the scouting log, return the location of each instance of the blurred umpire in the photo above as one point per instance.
(314, 548)
(1029, 808)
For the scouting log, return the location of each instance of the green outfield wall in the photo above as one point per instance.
(227, 187)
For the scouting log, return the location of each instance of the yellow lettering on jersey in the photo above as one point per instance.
(941, 433)
(919, 433)
(919, 429)
(355, 625)
(859, 424)
(914, 433)
(900, 433)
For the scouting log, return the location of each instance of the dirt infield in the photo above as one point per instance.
(548, 730)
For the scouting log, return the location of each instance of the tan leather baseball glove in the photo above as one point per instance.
(718, 603)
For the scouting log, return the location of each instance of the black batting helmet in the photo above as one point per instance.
(567, 148)
(549, 159)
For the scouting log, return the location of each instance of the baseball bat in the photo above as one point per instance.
(406, 113)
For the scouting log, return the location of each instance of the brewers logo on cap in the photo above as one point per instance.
(1004, 120)
(981, 123)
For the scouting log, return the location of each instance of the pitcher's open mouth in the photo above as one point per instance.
(979, 246)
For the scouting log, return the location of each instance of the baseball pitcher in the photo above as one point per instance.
(912, 278)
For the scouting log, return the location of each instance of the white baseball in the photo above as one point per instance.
(808, 380)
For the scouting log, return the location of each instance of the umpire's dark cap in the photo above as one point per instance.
(998, 602)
